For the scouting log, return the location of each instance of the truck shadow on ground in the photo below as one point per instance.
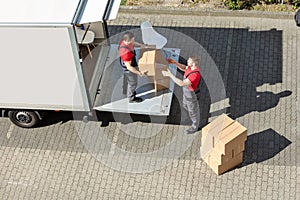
(245, 60)
(249, 62)
(51, 118)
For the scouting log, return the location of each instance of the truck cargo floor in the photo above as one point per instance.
(112, 99)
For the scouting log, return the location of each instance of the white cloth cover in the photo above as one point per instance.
(151, 37)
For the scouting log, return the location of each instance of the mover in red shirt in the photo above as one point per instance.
(190, 83)
(130, 66)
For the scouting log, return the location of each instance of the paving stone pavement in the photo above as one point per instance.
(258, 61)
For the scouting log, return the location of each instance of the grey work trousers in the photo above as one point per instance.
(131, 80)
(190, 103)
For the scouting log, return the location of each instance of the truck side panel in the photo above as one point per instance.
(40, 69)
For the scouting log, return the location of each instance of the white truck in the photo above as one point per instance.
(43, 67)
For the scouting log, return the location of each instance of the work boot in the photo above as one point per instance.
(135, 100)
(191, 130)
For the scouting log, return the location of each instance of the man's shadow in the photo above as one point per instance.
(259, 101)
(267, 100)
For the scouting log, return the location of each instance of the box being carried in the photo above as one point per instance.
(223, 143)
(153, 61)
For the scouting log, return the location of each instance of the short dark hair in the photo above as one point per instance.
(128, 36)
(195, 59)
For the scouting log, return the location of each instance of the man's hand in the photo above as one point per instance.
(166, 73)
(144, 73)
(171, 61)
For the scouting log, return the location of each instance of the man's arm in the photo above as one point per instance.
(181, 83)
(180, 66)
(134, 70)
(139, 44)
(144, 46)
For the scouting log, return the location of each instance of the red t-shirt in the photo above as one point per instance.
(126, 54)
(193, 77)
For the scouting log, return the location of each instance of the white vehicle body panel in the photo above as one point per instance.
(40, 70)
(57, 11)
(38, 11)
(40, 66)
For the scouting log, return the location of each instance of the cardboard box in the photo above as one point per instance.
(231, 138)
(216, 126)
(223, 158)
(153, 61)
(147, 61)
(162, 84)
(224, 142)
(220, 169)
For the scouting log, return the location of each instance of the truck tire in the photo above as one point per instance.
(23, 118)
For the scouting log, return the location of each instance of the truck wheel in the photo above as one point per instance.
(24, 119)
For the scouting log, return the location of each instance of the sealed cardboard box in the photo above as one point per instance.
(221, 158)
(153, 61)
(224, 142)
(162, 84)
(216, 126)
(225, 166)
(230, 137)
(232, 141)
(147, 61)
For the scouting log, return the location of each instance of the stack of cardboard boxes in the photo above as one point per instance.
(153, 61)
(223, 143)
